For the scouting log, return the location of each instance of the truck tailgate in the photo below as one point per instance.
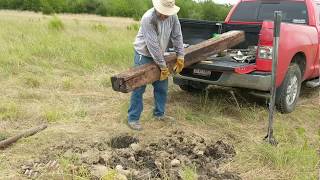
(221, 64)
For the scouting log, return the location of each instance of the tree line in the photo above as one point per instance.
(206, 10)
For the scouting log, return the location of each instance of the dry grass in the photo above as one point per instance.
(62, 78)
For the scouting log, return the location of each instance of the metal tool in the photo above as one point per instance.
(276, 36)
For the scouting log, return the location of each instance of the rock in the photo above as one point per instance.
(126, 172)
(135, 172)
(175, 163)
(105, 157)
(37, 160)
(184, 160)
(199, 147)
(171, 150)
(99, 171)
(25, 167)
(201, 153)
(122, 171)
(131, 158)
(120, 177)
(68, 154)
(119, 168)
(200, 139)
(135, 147)
(30, 162)
(158, 164)
(164, 155)
(203, 177)
(211, 167)
(194, 142)
(90, 157)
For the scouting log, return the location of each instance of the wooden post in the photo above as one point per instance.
(30, 132)
(136, 77)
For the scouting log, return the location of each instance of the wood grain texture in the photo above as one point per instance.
(30, 132)
(138, 76)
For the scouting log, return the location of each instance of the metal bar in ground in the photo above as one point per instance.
(276, 36)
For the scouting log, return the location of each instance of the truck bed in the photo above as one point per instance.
(196, 31)
(222, 69)
(219, 64)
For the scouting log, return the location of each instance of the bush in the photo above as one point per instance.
(100, 27)
(102, 9)
(47, 9)
(32, 5)
(56, 24)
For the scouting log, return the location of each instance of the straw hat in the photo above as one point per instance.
(166, 7)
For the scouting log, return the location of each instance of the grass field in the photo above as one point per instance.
(57, 70)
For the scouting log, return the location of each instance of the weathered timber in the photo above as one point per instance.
(138, 76)
(30, 132)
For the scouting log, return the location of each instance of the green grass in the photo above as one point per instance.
(56, 24)
(112, 174)
(9, 111)
(100, 27)
(68, 165)
(58, 54)
(3, 136)
(76, 49)
(189, 173)
(53, 115)
(61, 76)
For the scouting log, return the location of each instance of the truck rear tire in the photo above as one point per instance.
(288, 93)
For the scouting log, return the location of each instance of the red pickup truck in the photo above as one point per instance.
(249, 64)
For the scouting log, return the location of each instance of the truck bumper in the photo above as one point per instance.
(255, 80)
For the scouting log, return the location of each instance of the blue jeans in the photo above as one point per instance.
(160, 91)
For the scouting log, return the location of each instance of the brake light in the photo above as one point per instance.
(265, 52)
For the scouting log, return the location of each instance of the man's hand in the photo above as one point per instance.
(179, 65)
(164, 74)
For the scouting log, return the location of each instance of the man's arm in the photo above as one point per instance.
(176, 38)
(152, 41)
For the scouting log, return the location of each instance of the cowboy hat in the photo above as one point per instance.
(166, 7)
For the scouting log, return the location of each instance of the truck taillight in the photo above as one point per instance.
(265, 52)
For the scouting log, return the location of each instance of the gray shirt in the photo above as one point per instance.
(154, 35)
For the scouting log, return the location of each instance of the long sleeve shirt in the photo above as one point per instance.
(154, 36)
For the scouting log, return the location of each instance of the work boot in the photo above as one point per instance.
(164, 118)
(135, 126)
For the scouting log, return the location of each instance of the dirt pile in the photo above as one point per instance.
(170, 157)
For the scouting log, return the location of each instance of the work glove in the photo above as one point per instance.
(179, 65)
(164, 74)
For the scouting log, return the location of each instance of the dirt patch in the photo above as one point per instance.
(123, 141)
(34, 169)
(168, 157)
(165, 158)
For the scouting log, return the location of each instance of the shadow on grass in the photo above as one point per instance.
(232, 103)
(227, 102)
(309, 92)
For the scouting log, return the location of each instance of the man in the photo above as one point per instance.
(158, 25)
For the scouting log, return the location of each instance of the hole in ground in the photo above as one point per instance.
(123, 141)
